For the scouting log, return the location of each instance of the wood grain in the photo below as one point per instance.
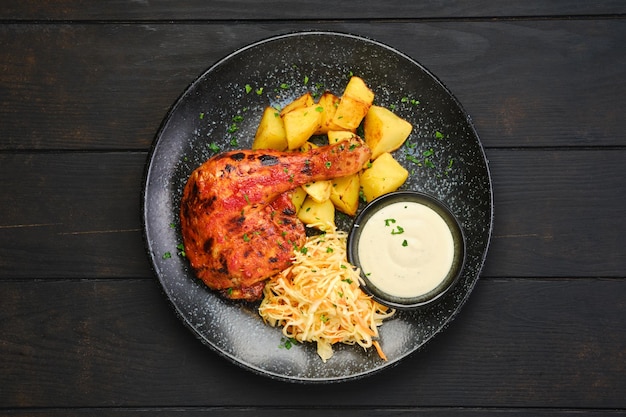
(109, 85)
(525, 343)
(251, 10)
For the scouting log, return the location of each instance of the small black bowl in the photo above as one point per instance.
(458, 257)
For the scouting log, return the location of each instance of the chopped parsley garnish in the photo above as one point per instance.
(397, 231)
(286, 343)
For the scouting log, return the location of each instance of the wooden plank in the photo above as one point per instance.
(64, 214)
(555, 211)
(250, 10)
(312, 412)
(517, 343)
(109, 86)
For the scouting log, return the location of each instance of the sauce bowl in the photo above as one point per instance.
(409, 247)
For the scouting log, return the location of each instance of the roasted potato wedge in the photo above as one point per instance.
(270, 133)
(353, 105)
(383, 176)
(345, 194)
(300, 124)
(312, 212)
(384, 131)
(304, 100)
(335, 136)
(297, 197)
(319, 191)
(328, 102)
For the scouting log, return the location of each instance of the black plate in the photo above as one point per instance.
(222, 108)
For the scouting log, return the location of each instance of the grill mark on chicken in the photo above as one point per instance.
(238, 222)
(268, 160)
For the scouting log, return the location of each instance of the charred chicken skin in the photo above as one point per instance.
(238, 222)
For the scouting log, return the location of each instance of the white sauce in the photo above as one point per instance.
(406, 249)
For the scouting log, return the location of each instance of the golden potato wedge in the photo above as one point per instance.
(328, 102)
(384, 131)
(312, 212)
(300, 124)
(353, 105)
(319, 191)
(345, 194)
(307, 146)
(270, 133)
(383, 176)
(335, 136)
(304, 100)
(297, 197)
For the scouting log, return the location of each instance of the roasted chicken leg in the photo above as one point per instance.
(238, 222)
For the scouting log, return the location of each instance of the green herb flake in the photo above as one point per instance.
(201, 115)
(306, 80)
(181, 250)
(246, 238)
(259, 91)
(286, 343)
(214, 147)
(167, 255)
(388, 222)
(248, 88)
(284, 86)
(397, 231)
(405, 243)
(438, 135)
(328, 164)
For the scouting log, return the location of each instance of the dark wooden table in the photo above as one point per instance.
(84, 326)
